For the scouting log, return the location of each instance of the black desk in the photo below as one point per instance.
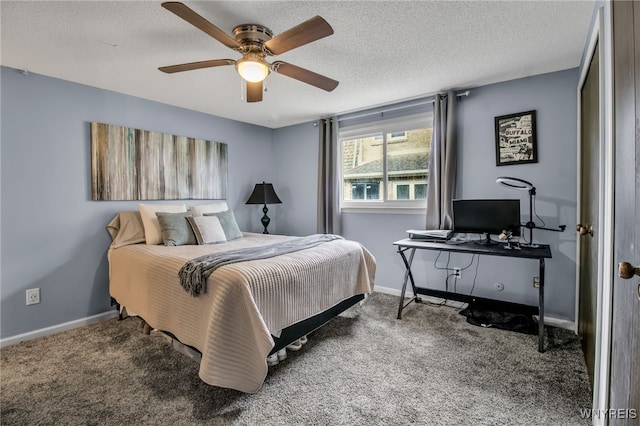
(540, 253)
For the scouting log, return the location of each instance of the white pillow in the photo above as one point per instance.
(215, 207)
(207, 229)
(152, 233)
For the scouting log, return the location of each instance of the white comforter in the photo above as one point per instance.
(231, 324)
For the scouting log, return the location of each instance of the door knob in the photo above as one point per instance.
(583, 230)
(627, 270)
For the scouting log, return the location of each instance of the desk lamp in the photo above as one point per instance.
(263, 193)
(523, 185)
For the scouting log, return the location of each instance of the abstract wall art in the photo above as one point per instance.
(133, 164)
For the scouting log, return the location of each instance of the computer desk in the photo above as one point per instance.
(411, 245)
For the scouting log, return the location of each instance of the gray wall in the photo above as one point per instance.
(296, 178)
(52, 235)
(553, 96)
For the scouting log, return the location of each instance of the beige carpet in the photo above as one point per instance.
(363, 368)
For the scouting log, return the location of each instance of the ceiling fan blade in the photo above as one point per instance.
(196, 65)
(198, 21)
(306, 32)
(254, 92)
(304, 75)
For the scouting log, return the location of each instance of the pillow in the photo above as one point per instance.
(175, 229)
(126, 228)
(229, 224)
(207, 229)
(150, 220)
(215, 207)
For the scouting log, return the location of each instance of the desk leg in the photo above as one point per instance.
(541, 309)
(407, 276)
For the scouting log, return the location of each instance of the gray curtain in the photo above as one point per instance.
(328, 190)
(442, 163)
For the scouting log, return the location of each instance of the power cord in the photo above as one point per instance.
(446, 281)
(475, 276)
(449, 275)
(435, 262)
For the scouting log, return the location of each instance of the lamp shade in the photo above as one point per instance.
(263, 193)
(252, 68)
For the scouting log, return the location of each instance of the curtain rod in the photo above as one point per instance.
(423, 101)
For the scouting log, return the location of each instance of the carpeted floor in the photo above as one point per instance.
(363, 368)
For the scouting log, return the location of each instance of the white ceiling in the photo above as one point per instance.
(381, 51)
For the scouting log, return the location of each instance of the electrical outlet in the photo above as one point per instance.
(457, 272)
(33, 296)
(536, 282)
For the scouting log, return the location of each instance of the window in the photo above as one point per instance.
(385, 164)
(365, 191)
(420, 191)
(398, 137)
(402, 192)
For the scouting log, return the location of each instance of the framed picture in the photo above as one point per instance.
(516, 139)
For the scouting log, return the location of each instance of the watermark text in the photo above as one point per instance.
(611, 413)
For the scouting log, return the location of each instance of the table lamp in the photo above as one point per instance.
(263, 193)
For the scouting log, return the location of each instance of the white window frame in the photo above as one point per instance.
(384, 127)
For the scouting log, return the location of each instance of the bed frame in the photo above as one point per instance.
(287, 336)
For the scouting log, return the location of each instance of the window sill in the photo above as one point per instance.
(383, 210)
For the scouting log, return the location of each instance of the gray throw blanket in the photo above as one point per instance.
(193, 275)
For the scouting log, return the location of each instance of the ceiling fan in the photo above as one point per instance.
(256, 42)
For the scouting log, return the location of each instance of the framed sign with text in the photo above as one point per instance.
(516, 139)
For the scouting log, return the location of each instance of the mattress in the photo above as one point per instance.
(232, 323)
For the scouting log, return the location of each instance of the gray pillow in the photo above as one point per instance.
(175, 229)
(229, 224)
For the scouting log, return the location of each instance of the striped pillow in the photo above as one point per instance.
(207, 229)
(229, 224)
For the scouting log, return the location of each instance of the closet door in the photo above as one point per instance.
(590, 143)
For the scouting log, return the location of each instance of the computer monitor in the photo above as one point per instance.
(489, 217)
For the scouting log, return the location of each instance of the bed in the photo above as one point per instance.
(247, 310)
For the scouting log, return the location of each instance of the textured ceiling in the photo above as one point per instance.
(381, 52)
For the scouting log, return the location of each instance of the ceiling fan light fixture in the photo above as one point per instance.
(253, 68)
(255, 42)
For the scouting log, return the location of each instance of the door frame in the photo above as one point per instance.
(601, 33)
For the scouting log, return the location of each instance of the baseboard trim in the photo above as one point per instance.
(12, 340)
(395, 292)
(558, 322)
(47, 331)
(387, 290)
(550, 321)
